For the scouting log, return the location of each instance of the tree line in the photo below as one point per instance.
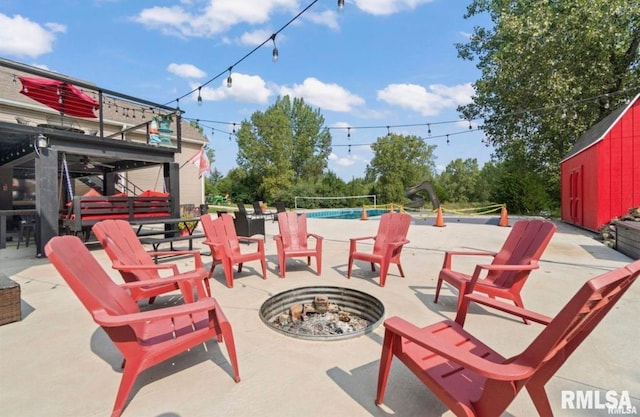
(550, 70)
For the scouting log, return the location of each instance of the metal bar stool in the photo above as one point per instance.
(27, 225)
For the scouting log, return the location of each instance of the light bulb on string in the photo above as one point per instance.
(470, 127)
(234, 128)
(199, 96)
(388, 131)
(349, 149)
(274, 54)
(229, 80)
(340, 6)
(447, 138)
(429, 129)
(349, 133)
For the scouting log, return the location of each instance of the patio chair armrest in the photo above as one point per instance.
(123, 267)
(315, 236)
(487, 368)
(196, 275)
(394, 246)
(353, 242)
(105, 319)
(448, 256)
(185, 282)
(490, 267)
(252, 239)
(195, 253)
(354, 239)
(508, 308)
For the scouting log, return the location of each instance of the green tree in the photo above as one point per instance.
(550, 70)
(461, 179)
(282, 145)
(400, 162)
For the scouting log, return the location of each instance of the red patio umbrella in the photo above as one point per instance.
(59, 95)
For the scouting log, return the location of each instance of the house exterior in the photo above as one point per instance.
(119, 115)
(47, 158)
(600, 176)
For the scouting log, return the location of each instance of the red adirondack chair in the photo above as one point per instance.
(474, 380)
(143, 338)
(293, 241)
(387, 246)
(220, 236)
(511, 266)
(134, 263)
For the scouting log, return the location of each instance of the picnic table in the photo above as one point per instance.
(169, 233)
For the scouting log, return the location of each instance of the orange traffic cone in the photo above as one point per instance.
(391, 208)
(504, 220)
(439, 220)
(364, 214)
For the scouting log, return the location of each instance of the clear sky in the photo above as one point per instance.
(376, 63)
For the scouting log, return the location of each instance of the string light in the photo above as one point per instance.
(229, 79)
(274, 55)
(199, 96)
(564, 106)
(229, 69)
(340, 6)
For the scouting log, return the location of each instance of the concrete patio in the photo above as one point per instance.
(57, 362)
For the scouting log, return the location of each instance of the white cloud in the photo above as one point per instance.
(245, 88)
(22, 37)
(342, 161)
(328, 18)
(326, 96)
(186, 70)
(255, 37)
(217, 17)
(426, 102)
(386, 7)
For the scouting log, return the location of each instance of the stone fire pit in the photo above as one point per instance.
(322, 313)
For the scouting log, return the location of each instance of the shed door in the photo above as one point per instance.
(575, 196)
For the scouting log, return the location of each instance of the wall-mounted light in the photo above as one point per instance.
(42, 141)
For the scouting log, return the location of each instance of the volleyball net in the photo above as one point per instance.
(302, 202)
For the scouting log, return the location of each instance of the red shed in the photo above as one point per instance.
(600, 176)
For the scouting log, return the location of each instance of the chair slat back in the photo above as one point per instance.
(293, 229)
(123, 246)
(526, 242)
(393, 227)
(86, 278)
(558, 340)
(221, 230)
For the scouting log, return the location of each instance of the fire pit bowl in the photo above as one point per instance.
(322, 313)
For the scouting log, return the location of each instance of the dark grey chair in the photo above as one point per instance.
(246, 226)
